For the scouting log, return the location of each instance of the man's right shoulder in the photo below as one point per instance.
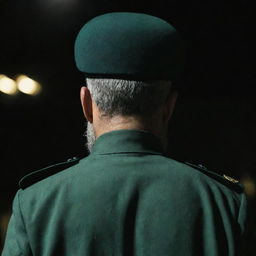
(219, 178)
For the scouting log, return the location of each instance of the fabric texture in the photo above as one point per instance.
(127, 198)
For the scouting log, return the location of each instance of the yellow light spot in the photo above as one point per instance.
(249, 184)
(28, 85)
(7, 85)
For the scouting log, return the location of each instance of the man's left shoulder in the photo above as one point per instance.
(46, 172)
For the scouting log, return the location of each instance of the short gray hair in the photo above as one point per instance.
(128, 98)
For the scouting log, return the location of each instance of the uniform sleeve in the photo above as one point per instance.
(16, 243)
(243, 223)
(242, 217)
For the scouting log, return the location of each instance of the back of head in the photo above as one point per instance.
(131, 62)
(128, 98)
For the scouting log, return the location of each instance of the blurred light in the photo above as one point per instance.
(7, 85)
(249, 185)
(28, 85)
(4, 220)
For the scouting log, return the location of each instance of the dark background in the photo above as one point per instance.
(214, 123)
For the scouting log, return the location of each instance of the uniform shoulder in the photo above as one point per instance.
(41, 174)
(223, 179)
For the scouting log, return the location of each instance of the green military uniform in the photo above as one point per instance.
(126, 198)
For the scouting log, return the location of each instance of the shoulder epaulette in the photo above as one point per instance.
(41, 174)
(224, 179)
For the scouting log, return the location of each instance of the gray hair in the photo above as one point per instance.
(127, 98)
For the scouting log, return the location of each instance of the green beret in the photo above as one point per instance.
(132, 46)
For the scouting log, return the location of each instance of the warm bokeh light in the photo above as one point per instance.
(28, 85)
(7, 85)
(250, 187)
(4, 220)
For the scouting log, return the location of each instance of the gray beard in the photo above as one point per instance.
(90, 135)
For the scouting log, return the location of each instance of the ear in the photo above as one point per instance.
(169, 106)
(86, 101)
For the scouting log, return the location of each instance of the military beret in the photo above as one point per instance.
(132, 46)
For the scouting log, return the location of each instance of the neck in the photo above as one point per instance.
(118, 123)
(105, 125)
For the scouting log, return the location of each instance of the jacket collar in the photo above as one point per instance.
(127, 141)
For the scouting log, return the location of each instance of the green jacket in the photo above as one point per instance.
(126, 198)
